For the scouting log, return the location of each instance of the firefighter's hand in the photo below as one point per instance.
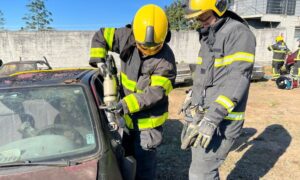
(100, 64)
(116, 108)
(190, 131)
(205, 132)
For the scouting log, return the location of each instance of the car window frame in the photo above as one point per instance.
(84, 155)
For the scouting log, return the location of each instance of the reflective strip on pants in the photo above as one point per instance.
(146, 123)
(275, 73)
(225, 102)
(235, 116)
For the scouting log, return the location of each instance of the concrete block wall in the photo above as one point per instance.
(71, 48)
(265, 38)
(61, 48)
(185, 45)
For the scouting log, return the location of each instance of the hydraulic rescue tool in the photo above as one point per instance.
(115, 121)
(111, 93)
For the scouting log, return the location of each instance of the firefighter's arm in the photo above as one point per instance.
(239, 59)
(104, 40)
(160, 85)
(270, 48)
(288, 51)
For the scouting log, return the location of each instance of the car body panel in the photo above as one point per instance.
(103, 161)
(86, 171)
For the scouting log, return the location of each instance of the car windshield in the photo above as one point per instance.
(8, 69)
(44, 123)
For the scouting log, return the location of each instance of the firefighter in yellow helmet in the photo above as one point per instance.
(215, 106)
(147, 76)
(280, 50)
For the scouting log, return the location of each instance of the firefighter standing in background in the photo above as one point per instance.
(280, 50)
(148, 72)
(296, 71)
(217, 101)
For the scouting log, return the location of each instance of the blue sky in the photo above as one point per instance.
(78, 14)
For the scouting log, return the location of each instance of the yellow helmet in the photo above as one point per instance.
(279, 38)
(150, 28)
(198, 7)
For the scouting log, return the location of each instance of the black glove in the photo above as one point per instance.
(93, 64)
(206, 129)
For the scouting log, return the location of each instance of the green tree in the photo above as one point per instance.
(2, 20)
(175, 12)
(38, 18)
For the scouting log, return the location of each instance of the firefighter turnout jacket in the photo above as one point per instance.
(145, 81)
(298, 54)
(222, 75)
(297, 63)
(280, 50)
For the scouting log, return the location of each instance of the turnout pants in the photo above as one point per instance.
(206, 162)
(296, 71)
(142, 146)
(276, 66)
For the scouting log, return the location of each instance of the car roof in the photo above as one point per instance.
(46, 77)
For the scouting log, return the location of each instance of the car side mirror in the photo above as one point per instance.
(1, 62)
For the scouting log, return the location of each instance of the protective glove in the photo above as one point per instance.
(115, 108)
(100, 64)
(206, 129)
(190, 131)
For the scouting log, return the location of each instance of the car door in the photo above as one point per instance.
(127, 165)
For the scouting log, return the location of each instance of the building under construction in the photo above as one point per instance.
(262, 14)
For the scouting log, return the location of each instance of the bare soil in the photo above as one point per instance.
(268, 148)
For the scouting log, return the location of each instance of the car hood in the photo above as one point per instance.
(86, 171)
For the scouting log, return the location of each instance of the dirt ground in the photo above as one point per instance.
(268, 148)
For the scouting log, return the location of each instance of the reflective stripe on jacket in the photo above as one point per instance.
(298, 55)
(145, 81)
(222, 75)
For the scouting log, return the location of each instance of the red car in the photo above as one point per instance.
(51, 127)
